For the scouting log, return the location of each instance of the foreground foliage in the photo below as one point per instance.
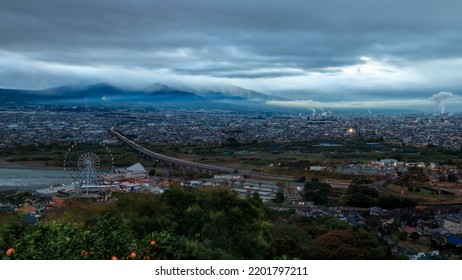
(183, 224)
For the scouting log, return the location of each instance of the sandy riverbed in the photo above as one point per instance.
(30, 176)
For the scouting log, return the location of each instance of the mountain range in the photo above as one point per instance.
(220, 97)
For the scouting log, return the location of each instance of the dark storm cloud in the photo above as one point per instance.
(244, 73)
(269, 28)
(237, 39)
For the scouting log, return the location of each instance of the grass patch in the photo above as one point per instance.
(423, 194)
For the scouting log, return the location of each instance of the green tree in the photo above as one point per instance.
(52, 241)
(292, 242)
(221, 218)
(10, 228)
(318, 226)
(352, 244)
(279, 197)
(359, 194)
(317, 192)
(143, 213)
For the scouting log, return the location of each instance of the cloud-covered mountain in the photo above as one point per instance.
(161, 95)
(224, 91)
(101, 94)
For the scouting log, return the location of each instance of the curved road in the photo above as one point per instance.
(196, 165)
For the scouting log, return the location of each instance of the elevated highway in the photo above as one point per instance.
(167, 159)
(194, 165)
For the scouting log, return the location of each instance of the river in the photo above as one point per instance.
(20, 177)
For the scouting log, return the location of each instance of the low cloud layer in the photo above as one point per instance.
(437, 101)
(332, 48)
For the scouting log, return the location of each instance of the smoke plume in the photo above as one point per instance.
(440, 98)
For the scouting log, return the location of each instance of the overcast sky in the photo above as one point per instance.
(361, 52)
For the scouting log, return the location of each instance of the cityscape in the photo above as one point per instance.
(38, 126)
(265, 132)
(395, 174)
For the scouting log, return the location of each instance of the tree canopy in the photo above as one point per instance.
(183, 223)
(317, 192)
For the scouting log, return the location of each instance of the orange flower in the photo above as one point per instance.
(152, 243)
(114, 258)
(132, 255)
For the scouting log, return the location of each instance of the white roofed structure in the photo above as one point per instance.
(134, 171)
(136, 168)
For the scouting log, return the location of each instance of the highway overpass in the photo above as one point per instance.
(184, 164)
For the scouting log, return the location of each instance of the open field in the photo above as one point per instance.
(53, 156)
(426, 195)
(287, 158)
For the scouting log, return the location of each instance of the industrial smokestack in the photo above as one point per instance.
(440, 98)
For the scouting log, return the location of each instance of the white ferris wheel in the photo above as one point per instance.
(88, 168)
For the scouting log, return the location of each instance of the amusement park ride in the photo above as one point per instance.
(88, 168)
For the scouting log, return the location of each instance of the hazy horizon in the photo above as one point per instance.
(358, 54)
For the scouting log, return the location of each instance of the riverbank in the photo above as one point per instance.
(29, 177)
(4, 163)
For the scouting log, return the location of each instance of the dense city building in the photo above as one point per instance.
(44, 125)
